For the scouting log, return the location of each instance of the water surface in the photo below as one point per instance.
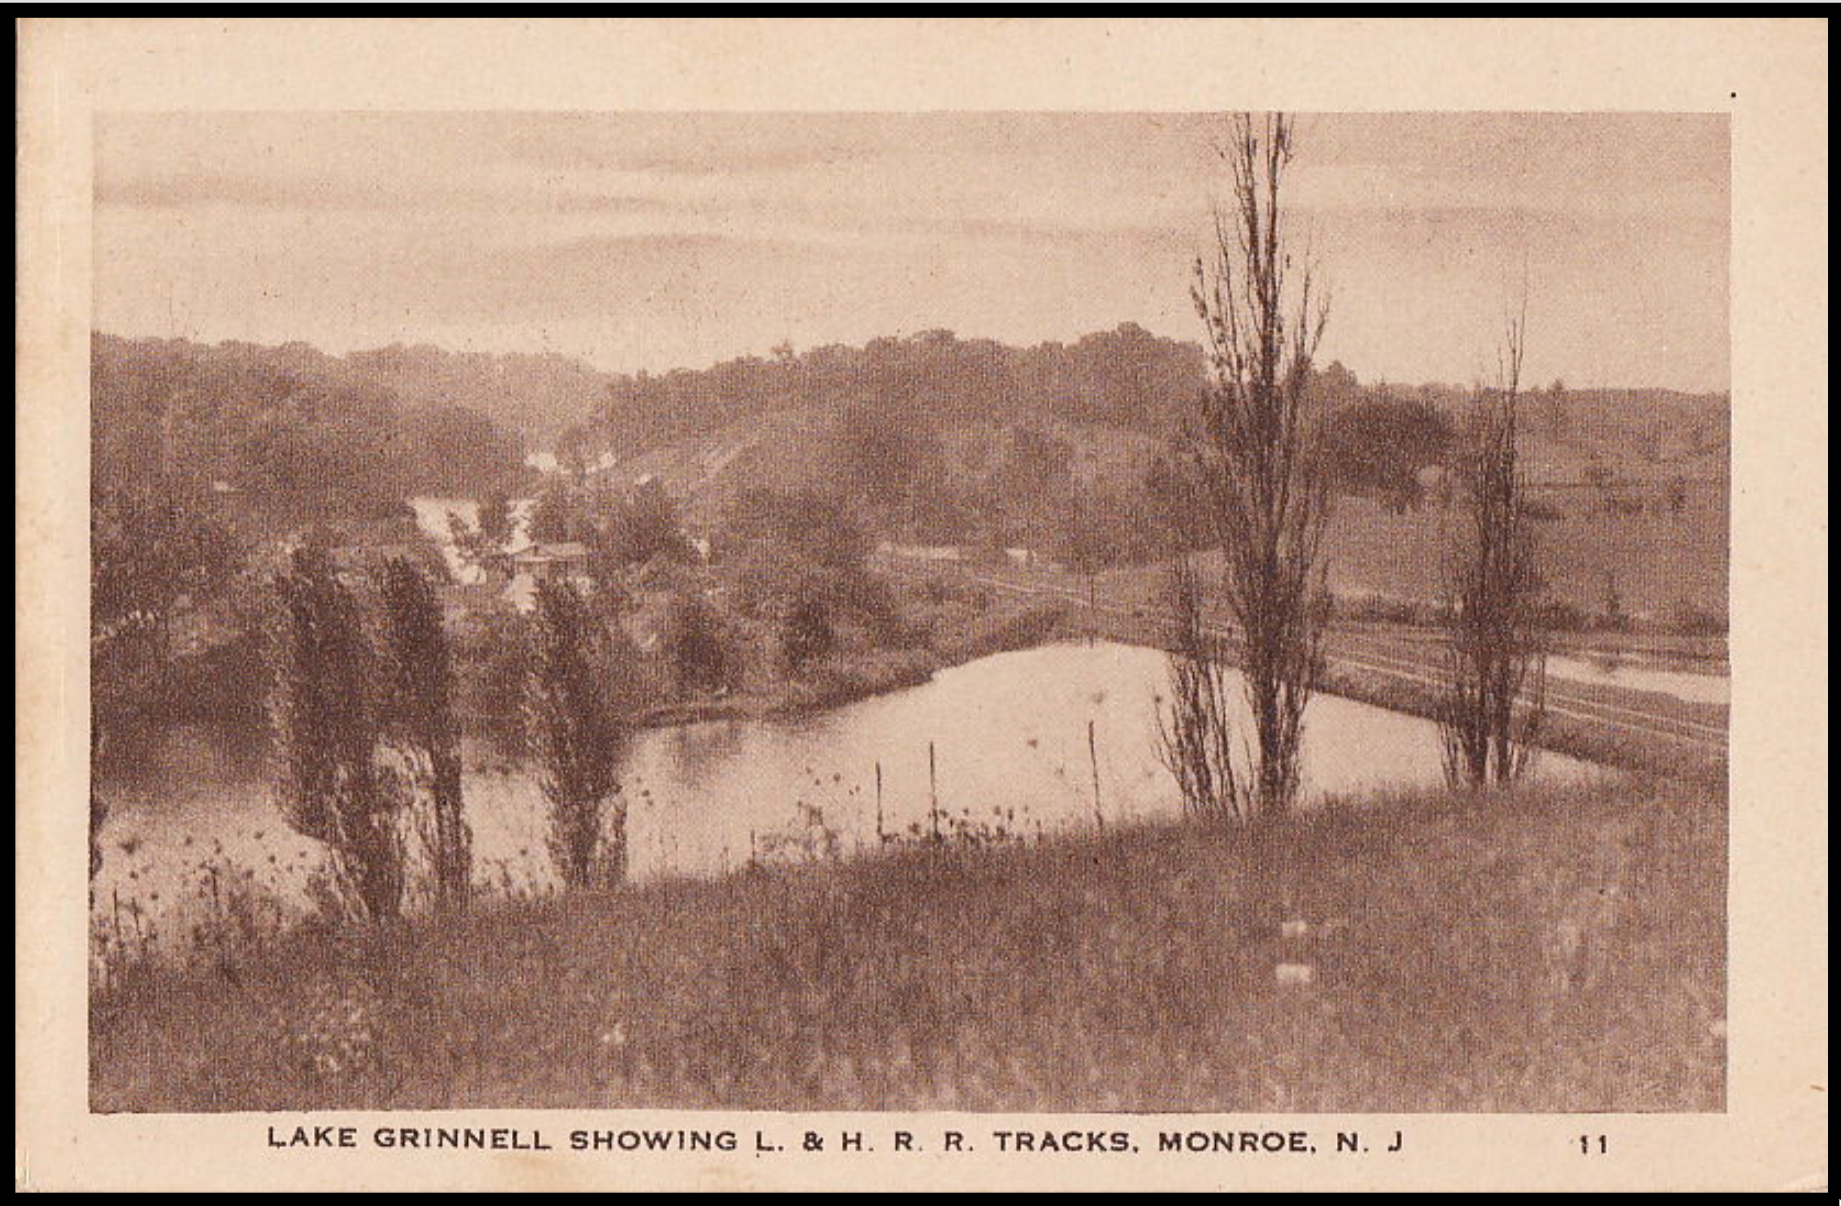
(1008, 737)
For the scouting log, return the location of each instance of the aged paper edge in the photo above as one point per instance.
(1770, 75)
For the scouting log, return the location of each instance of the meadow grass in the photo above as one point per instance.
(1665, 568)
(1549, 948)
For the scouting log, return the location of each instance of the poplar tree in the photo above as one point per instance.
(576, 737)
(421, 724)
(1495, 661)
(1256, 456)
(331, 786)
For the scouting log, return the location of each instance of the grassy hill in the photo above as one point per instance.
(793, 449)
(1549, 949)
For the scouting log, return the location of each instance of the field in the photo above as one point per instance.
(1664, 567)
(1549, 949)
(1658, 563)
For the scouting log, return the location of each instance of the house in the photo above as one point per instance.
(524, 568)
(559, 562)
(921, 552)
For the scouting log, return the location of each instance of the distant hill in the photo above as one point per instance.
(535, 395)
(801, 449)
(288, 430)
(1126, 378)
(1634, 434)
(751, 415)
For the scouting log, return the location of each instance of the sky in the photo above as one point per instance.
(675, 240)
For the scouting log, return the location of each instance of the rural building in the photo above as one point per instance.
(551, 562)
(922, 552)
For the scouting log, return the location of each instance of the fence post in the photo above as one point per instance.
(1093, 760)
(933, 795)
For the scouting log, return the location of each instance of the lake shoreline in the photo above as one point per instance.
(1046, 621)
(1060, 620)
(728, 785)
(865, 676)
(1657, 756)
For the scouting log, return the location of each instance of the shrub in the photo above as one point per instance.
(1543, 512)
(1687, 619)
(806, 633)
(1556, 616)
(697, 646)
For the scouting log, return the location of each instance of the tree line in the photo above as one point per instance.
(288, 432)
(1126, 377)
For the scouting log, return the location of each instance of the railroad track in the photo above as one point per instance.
(1560, 701)
(1597, 709)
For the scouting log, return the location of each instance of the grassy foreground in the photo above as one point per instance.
(1548, 949)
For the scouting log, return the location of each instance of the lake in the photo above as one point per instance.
(1009, 749)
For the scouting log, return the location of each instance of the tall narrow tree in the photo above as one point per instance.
(1194, 734)
(331, 786)
(1256, 452)
(577, 738)
(420, 722)
(1495, 664)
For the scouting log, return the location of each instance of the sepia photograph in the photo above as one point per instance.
(979, 611)
(1197, 617)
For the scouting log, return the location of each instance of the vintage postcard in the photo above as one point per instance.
(942, 604)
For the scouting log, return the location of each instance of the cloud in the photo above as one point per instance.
(618, 275)
(647, 238)
(705, 160)
(688, 144)
(203, 189)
